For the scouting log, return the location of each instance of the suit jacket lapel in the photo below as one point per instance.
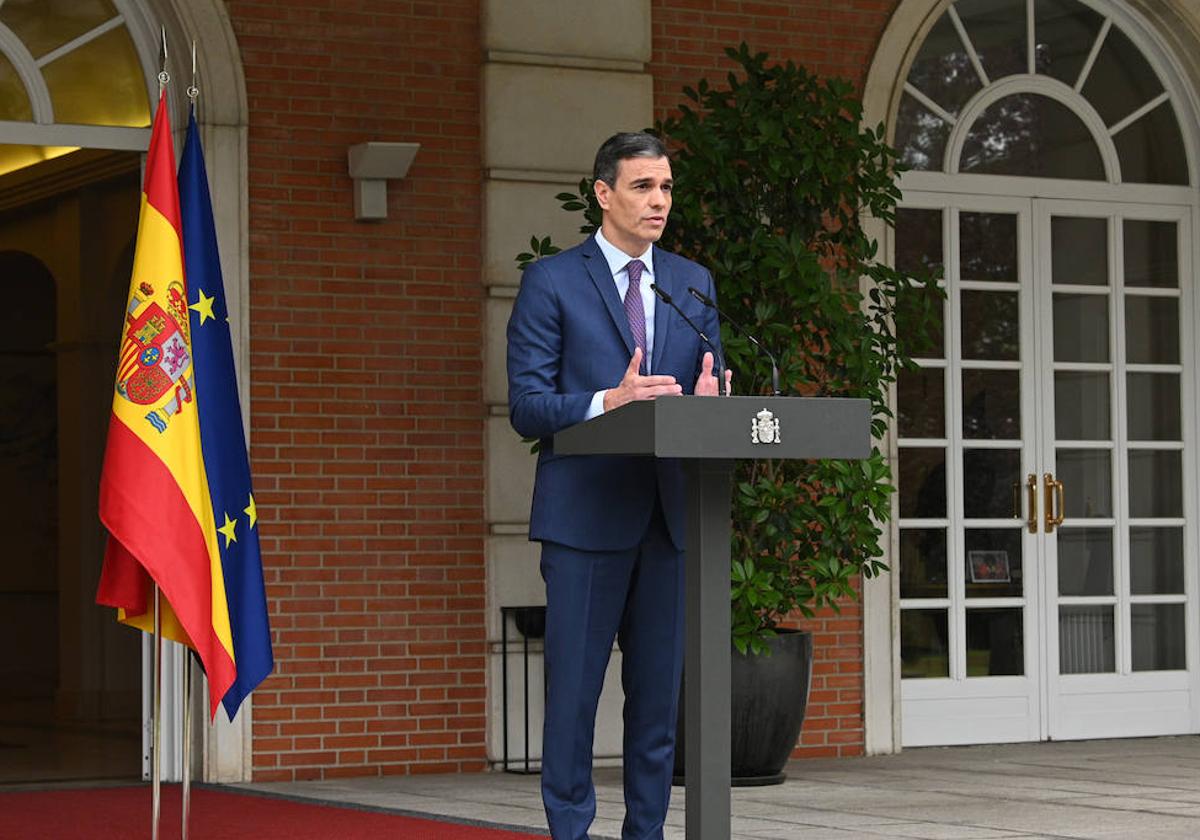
(662, 312)
(597, 268)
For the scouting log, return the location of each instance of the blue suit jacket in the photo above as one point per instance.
(568, 337)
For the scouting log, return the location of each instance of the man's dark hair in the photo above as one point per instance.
(623, 146)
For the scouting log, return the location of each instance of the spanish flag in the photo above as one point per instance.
(154, 496)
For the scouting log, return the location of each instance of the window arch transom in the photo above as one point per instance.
(66, 63)
(1041, 88)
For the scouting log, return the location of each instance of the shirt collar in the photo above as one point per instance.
(618, 259)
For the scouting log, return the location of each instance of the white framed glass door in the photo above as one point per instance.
(967, 427)
(1045, 473)
(1118, 486)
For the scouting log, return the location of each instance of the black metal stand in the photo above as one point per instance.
(530, 622)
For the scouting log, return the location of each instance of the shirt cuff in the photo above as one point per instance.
(596, 407)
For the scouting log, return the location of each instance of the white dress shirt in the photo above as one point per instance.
(617, 262)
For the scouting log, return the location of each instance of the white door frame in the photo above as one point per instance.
(1146, 703)
(1044, 704)
(1168, 31)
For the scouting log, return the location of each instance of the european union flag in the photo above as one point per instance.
(222, 437)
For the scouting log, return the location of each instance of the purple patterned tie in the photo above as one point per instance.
(633, 307)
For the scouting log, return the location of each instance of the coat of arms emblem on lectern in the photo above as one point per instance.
(765, 428)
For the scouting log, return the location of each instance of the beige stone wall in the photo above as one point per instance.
(558, 79)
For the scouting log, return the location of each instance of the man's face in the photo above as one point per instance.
(636, 207)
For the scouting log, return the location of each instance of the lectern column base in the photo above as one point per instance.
(707, 655)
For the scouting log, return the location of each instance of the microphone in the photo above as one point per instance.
(666, 298)
(711, 304)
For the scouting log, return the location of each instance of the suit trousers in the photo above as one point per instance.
(592, 597)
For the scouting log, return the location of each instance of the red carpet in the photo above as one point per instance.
(123, 813)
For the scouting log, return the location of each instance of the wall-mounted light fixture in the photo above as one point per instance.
(371, 166)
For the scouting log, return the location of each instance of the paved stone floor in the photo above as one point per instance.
(1128, 789)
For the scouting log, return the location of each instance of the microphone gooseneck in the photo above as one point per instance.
(666, 298)
(711, 304)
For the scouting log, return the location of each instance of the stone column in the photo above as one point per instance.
(558, 78)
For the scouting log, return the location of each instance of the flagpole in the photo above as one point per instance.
(156, 737)
(156, 718)
(187, 741)
(192, 92)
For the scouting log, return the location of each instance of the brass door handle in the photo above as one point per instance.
(1062, 503)
(1031, 487)
(1054, 492)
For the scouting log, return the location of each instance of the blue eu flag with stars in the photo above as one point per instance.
(222, 438)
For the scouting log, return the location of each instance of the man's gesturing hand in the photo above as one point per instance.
(634, 386)
(706, 383)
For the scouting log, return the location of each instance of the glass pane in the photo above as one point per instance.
(47, 24)
(1121, 80)
(1151, 330)
(942, 70)
(988, 478)
(1081, 406)
(1151, 254)
(924, 644)
(1029, 134)
(923, 563)
(1085, 640)
(1085, 561)
(78, 98)
(919, 242)
(922, 483)
(1156, 561)
(921, 136)
(992, 404)
(1153, 406)
(1159, 637)
(1065, 32)
(1086, 475)
(923, 305)
(997, 30)
(14, 101)
(1155, 484)
(1079, 251)
(1151, 149)
(995, 643)
(1080, 328)
(993, 562)
(921, 403)
(990, 326)
(988, 247)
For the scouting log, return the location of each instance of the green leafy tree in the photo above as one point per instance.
(775, 175)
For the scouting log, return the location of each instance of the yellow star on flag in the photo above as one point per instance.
(204, 306)
(228, 530)
(251, 511)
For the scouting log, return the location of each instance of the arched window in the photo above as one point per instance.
(67, 63)
(1042, 88)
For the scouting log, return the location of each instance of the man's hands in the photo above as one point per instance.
(706, 383)
(634, 386)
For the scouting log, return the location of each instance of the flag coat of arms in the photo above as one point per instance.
(154, 492)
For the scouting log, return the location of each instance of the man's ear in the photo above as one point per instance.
(603, 193)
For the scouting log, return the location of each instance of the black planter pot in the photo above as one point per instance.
(770, 696)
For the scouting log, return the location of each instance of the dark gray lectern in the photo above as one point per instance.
(709, 433)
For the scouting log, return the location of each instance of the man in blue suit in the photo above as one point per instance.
(586, 336)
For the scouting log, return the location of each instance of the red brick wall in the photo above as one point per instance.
(367, 413)
(833, 38)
